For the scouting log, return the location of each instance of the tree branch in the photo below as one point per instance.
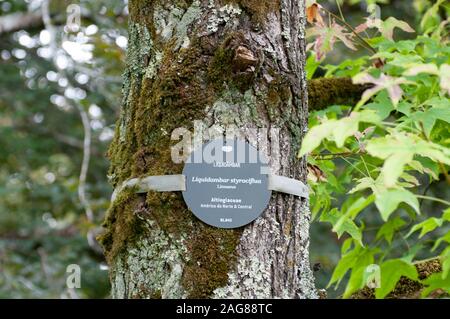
(323, 92)
(20, 20)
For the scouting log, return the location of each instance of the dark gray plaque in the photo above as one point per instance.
(226, 183)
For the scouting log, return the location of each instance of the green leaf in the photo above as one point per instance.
(315, 136)
(434, 282)
(410, 179)
(445, 261)
(441, 239)
(391, 272)
(311, 65)
(446, 215)
(393, 167)
(346, 262)
(358, 206)
(388, 200)
(355, 282)
(388, 145)
(418, 166)
(388, 229)
(444, 75)
(382, 105)
(426, 226)
(398, 149)
(387, 27)
(348, 126)
(363, 183)
(429, 18)
(430, 116)
(346, 245)
(345, 222)
(356, 258)
(417, 68)
(336, 130)
(345, 225)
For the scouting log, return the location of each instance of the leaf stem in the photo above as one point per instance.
(340, 10)
(332, 155)
(435, 199)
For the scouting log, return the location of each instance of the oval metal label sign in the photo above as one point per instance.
(226, 183)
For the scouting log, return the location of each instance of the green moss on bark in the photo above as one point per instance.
(212, 251)
(257, 9)
(324, 92)
(178, 94)
(121, 223)
(278, 94)
(227, 71)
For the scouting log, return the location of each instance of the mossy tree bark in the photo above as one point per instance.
(225, 63)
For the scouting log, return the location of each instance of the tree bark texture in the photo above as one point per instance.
(236, 63)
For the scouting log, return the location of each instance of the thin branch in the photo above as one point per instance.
(33, 20)
(340, 10)
(20, 20)
(84, 118)
(85, 163)
(333, 155)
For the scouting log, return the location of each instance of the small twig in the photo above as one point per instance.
(85, 164)
(43, 260)
(425, 193)
(340, 10)
(333, 155)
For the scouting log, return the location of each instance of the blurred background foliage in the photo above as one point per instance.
(44, 80)
(50, 77)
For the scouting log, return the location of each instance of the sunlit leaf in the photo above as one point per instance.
(426, 226)
(388, 200)
(435, 282)
(391, 272)
(388, 229)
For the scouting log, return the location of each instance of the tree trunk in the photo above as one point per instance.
(222, 63)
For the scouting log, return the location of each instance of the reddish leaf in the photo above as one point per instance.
(313, 14)
(325, 37)
(315, 174)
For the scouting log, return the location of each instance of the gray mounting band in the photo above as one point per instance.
(161, 183)
(170, 183)
(287, 185)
